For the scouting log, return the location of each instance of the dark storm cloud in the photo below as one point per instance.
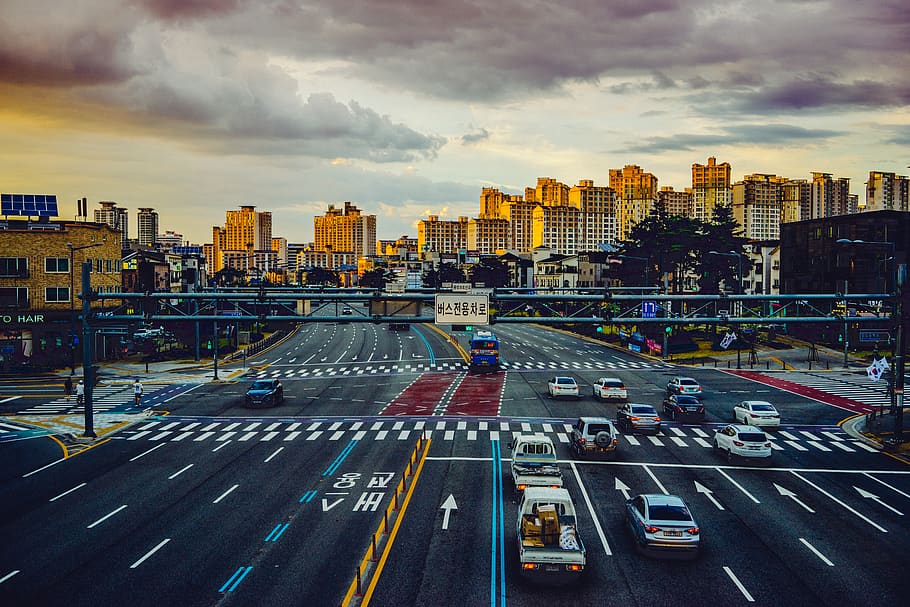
(818, 91)
(169, 10)
(739, 135)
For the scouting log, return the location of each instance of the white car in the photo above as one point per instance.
(610, 388)
(742, 441)
(562, 386)
(756, 413)
(683, 385)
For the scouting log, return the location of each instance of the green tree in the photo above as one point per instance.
(228, 277)
(723, 236)
(669, 243)
(321, 277)
(375, 278)
(447, 272)
(491, 272)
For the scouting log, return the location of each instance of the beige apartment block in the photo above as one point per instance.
(597, 214)
(247, 229)
(442, 236)
(636, 193)
(488, 236)
(677, 203)
(556, 228)
(887, 191)
(520, 217)
(757, 205)
(711, 187)
(831, 196)
(796, 200)
(549, 192)
(345, 229)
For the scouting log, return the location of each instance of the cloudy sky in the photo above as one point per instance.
(410, 108)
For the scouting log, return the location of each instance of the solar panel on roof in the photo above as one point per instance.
(29, 205)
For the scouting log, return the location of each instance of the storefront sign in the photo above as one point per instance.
(24, 319)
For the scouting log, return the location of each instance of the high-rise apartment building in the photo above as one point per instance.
(148, 226)
(636, 193)
(114, 216)
(796, 200)
(555, 228)
(488, 236)
(248, 230)
(280, 246)
(168, 240)
(520, 217)
(597, 214)
(677, 203)
(757, 205)
(549, 192)
(887, 192)
(492, 201)
(710, 188)
(831, 196)
(346, 230)
(442, 236)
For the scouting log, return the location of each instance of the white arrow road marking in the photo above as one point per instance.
(886, 485)
(447, 507)
(622, 488)
(872, 496)
(834, 499)
(792, 496)
(702, 489)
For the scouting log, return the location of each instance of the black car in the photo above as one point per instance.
(682, 407)
(265, 393)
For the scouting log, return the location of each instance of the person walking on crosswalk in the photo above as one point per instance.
(137, 391)
(80, 392)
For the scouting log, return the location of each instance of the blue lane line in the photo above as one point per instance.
(308, 496)
(268, 538)
(502, 532)
(426, 343)
(236, 579)
(283, 529)
(494, 542)
(341, 457)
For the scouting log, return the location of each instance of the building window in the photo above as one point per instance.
(13, 298)
(56, 294)
(56, 265)
(16, 267)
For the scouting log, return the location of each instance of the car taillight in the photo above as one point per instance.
(581, 440)
(651, 529)
(657, 419)
(554, 486)
(522, 487)
(615, 441)
(633, 418)
(529, 565)
(767, 444)
(737, 443)
(692, 530)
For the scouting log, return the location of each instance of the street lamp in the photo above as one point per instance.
(73, 250)
(739, 266)
(644, 261)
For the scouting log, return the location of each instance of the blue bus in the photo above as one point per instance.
(484, 349)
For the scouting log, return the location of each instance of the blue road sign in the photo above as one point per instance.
(649, 309)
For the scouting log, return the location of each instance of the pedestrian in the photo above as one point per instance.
(80, 392)
(68, 387)
(137, 391)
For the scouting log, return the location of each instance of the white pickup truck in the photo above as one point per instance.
(534, 462)
(549, 546)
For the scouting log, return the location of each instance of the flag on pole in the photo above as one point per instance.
(877, 368)
(728, 340)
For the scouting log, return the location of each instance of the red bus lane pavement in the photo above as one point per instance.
(450, 394)
(794, 388)
(479, 394)
(423, 395)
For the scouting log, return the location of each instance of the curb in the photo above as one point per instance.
(854, 426)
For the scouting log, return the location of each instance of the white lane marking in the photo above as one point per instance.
(586, 497)
(907, 495)
(139, 435)
(632, 440)
(221, 445)
(833, 436)
(169, 426)
(246, 437)
(8, 575)
(292, 436)
(132, 459)
(225, 494)
(817, 553)
(834, 499)
(179, 472)
(739, 584)
(677, 432)
(700, 432)
(654, 478)
(809, 435)
(252, 426)
(472, 434)
(449, 435)
(180, 437)
(67, 492)
(863, 445)
(819, 446)
(277, 451)
(381, 435)
(786, 434)
(656, 441)
(737, 485)
(225, 436)
(563, 438)
(338, 434)
(403, 435)
(150, 553)
(294, 426)
(231, 426)
(161, 435)
(795, 445)
(314, 435)
(702, 442)
(203, 436)
(268, 437)
(106, 516)
(678, 441)
(840, 445)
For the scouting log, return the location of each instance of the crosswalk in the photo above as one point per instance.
(852, 386)
(825, 439)
(115, 398)
(357, 369)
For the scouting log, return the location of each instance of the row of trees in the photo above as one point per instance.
(662, 245)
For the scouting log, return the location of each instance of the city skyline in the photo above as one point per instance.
(410, 109)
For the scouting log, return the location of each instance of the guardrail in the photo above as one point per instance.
(257, 347)
(383, 537)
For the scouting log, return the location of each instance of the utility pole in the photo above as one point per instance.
(88, 367)
(899, 358)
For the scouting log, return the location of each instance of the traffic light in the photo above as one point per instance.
(669, 330)
(600, 328)
(468, 328)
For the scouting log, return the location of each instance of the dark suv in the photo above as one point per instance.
(265, 393)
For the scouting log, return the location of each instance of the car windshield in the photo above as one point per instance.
(261, 385)
(668, 512)
(762, 407)
(688, 382)
(752, 437)
(644, 409)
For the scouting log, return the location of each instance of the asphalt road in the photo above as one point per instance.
(218, 504)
